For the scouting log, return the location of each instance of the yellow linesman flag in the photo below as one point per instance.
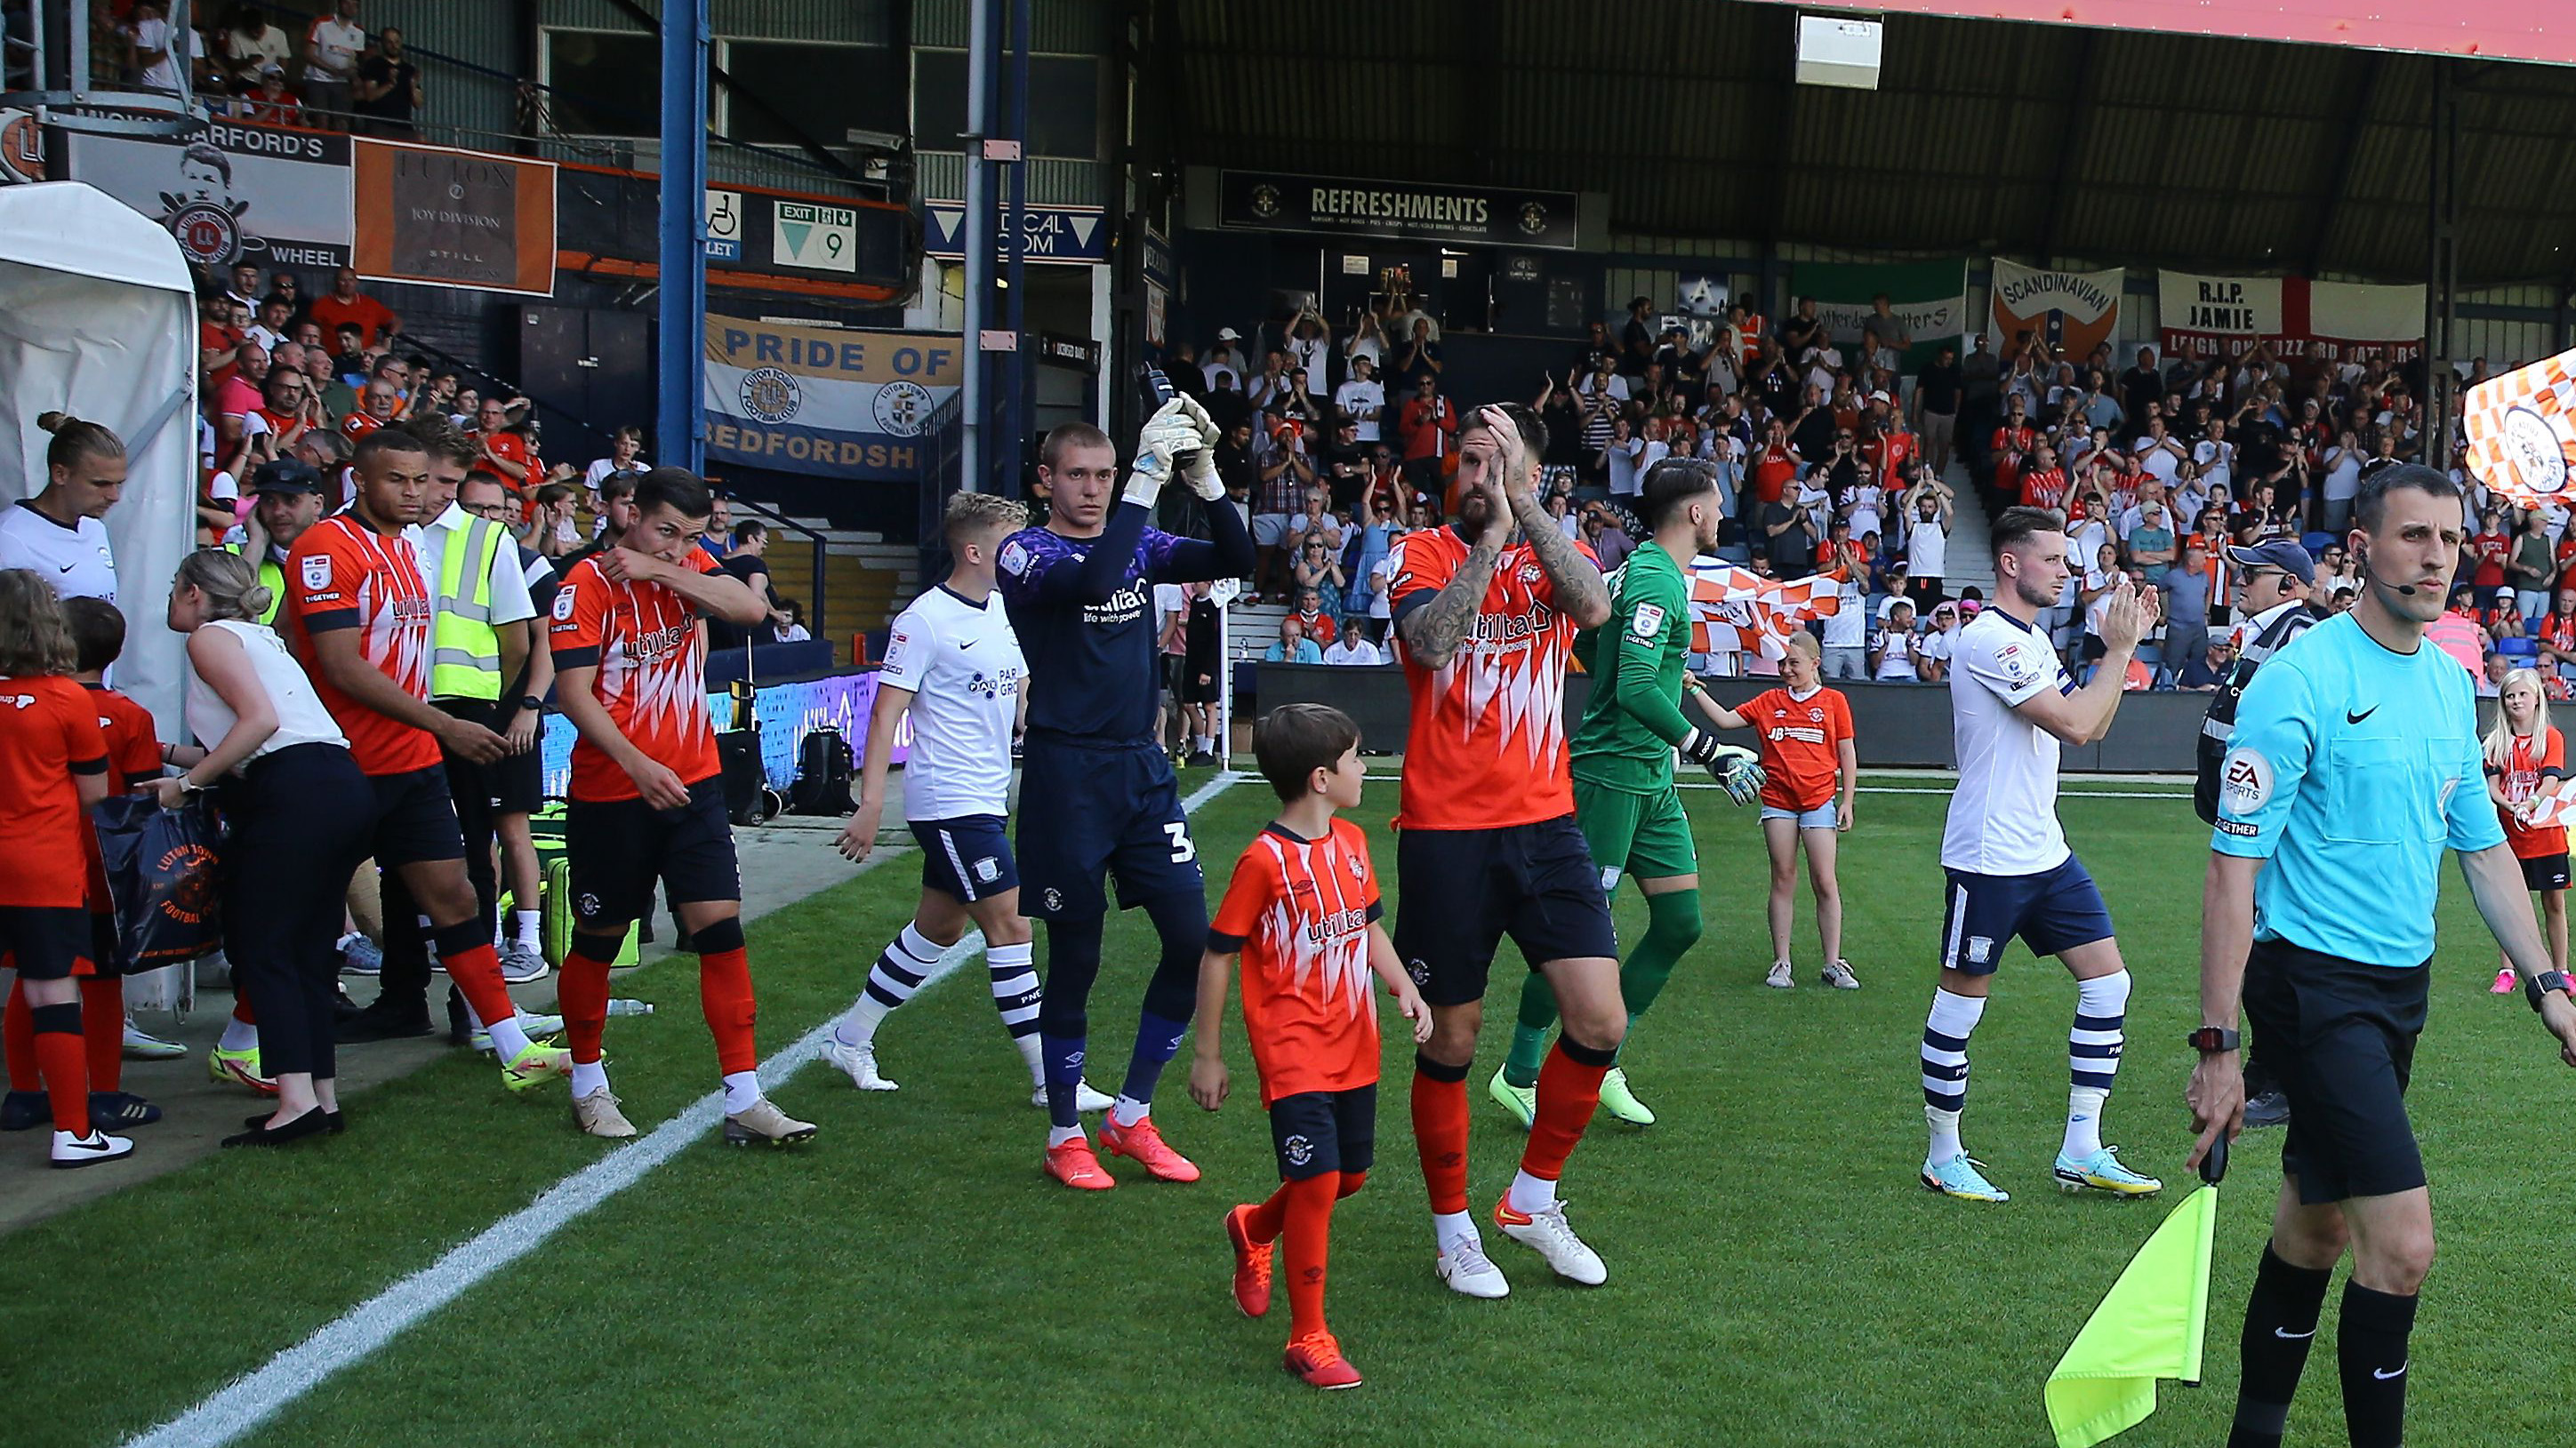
(2150, 1326)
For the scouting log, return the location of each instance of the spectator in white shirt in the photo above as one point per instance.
(1351, 646)
(1363, 398)
(1891, 644)
(1933, 651)
(331, 50)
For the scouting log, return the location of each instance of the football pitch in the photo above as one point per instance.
(1777, 1277)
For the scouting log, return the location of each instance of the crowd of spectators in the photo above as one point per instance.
(337, 76)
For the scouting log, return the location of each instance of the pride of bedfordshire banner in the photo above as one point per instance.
(2209, 316)
(2073, 312)
(1928, 298)
(838, 404)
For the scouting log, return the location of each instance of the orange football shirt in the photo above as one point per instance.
(1801, 765)
(1299, 911)
(343, 574)
(652, 660)
(48, 733)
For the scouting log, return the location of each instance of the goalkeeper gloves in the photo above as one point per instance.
(1737, 771)
(1169, 433)
(1198, 465)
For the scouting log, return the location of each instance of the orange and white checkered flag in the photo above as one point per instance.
(2522, 432)
(1734, 609)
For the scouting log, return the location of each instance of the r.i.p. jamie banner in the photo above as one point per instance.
(833, 403)
(2209, 316)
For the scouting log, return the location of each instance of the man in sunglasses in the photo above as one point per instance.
(2274, 604)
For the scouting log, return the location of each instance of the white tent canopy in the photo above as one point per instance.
(98, 318)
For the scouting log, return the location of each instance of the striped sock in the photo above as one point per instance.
(1017, 996)
(900, 969)
(2093, 1059)
(1945, 1068)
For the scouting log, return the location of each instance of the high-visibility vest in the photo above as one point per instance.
(271, 577)
(464, 648)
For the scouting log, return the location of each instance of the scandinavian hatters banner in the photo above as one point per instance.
(833, 403)
(2073, 312)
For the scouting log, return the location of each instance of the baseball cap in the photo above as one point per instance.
(2281, 553)
(286, 475)
(1881, 396)
(1228, 334)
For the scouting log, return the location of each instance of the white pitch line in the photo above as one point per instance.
(249, 1401)
(1919, 789)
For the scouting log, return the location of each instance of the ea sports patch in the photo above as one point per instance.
(1015, 558)
(2244, 782)
(317, 570)
(564, 602)
(1647, 621)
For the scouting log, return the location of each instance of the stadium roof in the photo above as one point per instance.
(2053, 141)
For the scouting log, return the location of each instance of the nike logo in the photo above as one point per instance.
(964, 644)
(2385, 1376)
(2286, 1335)
(2352, 718)
(68, 567)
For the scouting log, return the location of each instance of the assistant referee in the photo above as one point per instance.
(2354, 764)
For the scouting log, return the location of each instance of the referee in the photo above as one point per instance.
(2355, 761)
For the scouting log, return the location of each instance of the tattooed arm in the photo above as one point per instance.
(1581, 594)
(1433, 625)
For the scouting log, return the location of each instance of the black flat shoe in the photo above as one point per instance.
(332, 1121)
(311, 1123)
(380, 1023)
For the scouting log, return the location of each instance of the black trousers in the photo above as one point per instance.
(471, 785)
(300, 821)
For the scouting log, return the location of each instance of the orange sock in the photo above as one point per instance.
(1440, 1132)
(1352, 1181)
(724, 991)
(62, 1061)
(466, 951)
(1268, 1220)
(241, 1011)
(1569, 1091)
(581, 994)
(1309, 1234)
(103, 1030)
(18, 1041)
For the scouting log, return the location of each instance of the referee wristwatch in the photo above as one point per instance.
(2214, 1040)
(532, 703)
(2540, 986)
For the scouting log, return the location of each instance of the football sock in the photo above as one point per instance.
(2093, 1058)
(1672, 928)
(1158, 1039)
(63, 1062)
(1059, 1135)
(724, 991)
(102, 1001)
(901, 967)
(1017, 996)
(1180, 922)
(1309, 1232)
(588, 1076)
(509, 1038)
(2370, 1346)
(1530, 1032)
(1440, 1135)
(1064, 1025)
(1569, 1091)
(742, 1091)
(1267, 1220)
(1945, 1067)
(239, 1034)
(477, 973)
(581, 994)
(18, 1040)
(1352, 1181)
(530, 925)
(2280, 1325)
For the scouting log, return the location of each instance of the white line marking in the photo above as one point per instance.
(249, 1401)
(1920, 789)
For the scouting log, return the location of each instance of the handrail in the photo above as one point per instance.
(819, 543)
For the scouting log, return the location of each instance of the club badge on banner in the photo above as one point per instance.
(833, 403)
(2522, 431)
(2073, 312)
(2207, 316)
(268, 195)
(1736, 610)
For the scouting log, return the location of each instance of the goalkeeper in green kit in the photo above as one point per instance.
(1623, 750)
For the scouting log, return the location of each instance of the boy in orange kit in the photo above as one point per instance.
(1302, 913)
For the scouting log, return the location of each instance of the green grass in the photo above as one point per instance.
(1776, 1275)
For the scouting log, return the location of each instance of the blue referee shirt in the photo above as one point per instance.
(2351, 770)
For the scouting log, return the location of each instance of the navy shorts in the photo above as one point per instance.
(1314, 1132)
(620, 847)
(518, 783)
(2339, 1036)
(1086, 811)
(1464, 890)
(415, 819)
(967, 858)
(2053, 912)
(48, 942)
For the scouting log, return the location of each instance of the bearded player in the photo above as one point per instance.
(2009, 870)
(1624, 797)
(1487, 839)
(1097, 793)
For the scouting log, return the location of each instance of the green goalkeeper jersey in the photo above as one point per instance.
(1626, 736)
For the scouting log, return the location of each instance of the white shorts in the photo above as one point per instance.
(1271, 530)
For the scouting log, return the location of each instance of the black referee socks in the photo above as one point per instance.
(2370, 1345)
(2280, 1323)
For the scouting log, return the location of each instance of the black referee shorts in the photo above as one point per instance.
(2340, 1037)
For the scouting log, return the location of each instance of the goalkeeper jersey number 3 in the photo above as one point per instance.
(1638, 654)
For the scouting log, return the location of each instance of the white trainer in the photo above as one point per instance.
(1838, 974)
(597, 1114)
(1469, 1272)
(861, 1063)
(1782, 976)
(1085, 1098)
(78, 1151)
(1545, 1232)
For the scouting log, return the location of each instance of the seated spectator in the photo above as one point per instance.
(2505, 621)
(1939, 644)
(2556, 634)
(1610, 543)
(1351, 646)
(2491, 678)
(2208, 668)
(1892, 651)
(1317, 624)
(1292, 646)
(270, 103)
(793, 630)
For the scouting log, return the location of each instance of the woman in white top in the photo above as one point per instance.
(300, 816)
(57, 532)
